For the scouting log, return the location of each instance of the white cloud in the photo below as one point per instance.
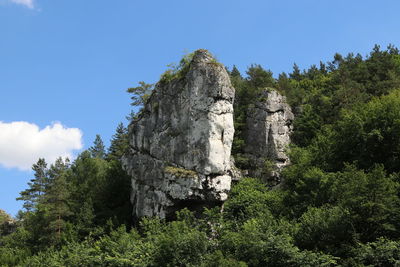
(23, 143)
(27, 3)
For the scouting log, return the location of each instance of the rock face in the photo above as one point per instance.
(269, 125)
(7, 223)
(180, 145)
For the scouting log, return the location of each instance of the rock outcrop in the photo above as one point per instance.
(268, 129)
(7, 223)
(180, 145)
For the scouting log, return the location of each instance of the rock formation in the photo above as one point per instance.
(268, 128)
(180, 145)
(7, 223)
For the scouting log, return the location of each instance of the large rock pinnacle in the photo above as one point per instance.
(180, 145)
(269, 125)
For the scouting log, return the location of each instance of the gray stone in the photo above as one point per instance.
(268, 128)
(180, 145)
(7, 224)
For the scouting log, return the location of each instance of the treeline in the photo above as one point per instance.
(339, 203)
(67, 202)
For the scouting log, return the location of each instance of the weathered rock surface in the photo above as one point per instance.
(7, 223)
(180, 145)
(269, 125)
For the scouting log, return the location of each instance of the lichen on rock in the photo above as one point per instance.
(184, 130)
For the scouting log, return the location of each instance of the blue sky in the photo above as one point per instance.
(65, 64)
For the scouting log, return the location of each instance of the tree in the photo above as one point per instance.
(366, 134)
(55, 201)
(235, 72)
(371, 198)
(382, 252)
(327, 229)
(98, 149)
(88, 182)
(141, 93)
(262, 242)
(119, 143)
(7, 223)
(4, 216)
(258, 77)
(37, 186)
(296, 74)
(114, 199)
(85, 218)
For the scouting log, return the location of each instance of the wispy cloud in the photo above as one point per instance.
(23, 143)
(28, 3)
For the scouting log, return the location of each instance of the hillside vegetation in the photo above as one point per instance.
(338, 205)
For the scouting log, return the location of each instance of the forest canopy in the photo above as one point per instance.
(339, 203)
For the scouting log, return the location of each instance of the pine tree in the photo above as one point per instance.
(141, 93)
(235, 72)
(119, 143)
(85, 217)
(258, 77)
(296, 74)
(58, 168)
(98, 149)
(37, 186)
(55, 202)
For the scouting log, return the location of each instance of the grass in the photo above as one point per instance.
(180, 172)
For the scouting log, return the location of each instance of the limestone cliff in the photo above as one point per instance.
(180, 145)
(269, 125)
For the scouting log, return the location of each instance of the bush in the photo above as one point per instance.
(382, 252)
(325, 229)
(261, 244)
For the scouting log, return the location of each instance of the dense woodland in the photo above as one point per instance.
(339, 203)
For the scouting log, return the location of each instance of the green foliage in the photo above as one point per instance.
(268, 168)
(368, 134)
(180, 244)
(307, 125)
(327, 229)
(55, 202)
(7, 223)
(258, 243)
(13, 256)
(247, 92)
(14, 248)
(37, 185)
(4, 216)
(180, 172)
(258, 77)
(252, 199)
(140, 94)
(98, 149)
(177, 71)
(70, 201)
(382, 252)
(217, 259)
(371, 198)
(119, 143)
(319, 95)
(338, 206)
(306, 185)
